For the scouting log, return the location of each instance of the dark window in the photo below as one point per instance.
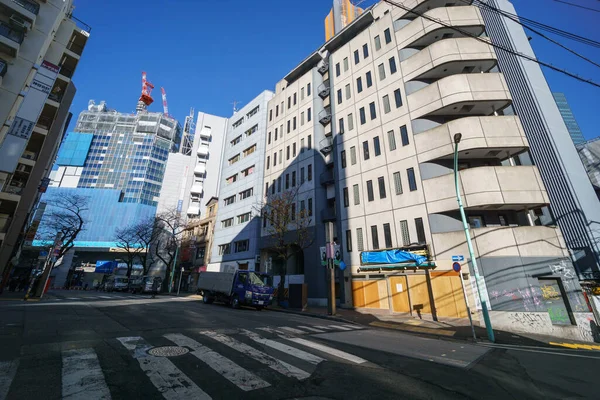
(404, 135)
(289, 102)
(276, 132)
(310, 208)
(277, 110)
(341, 129)
(363, 118)
(294, 124)
(308, 89)
(387, 234)
(365, 50)
(301, 175)
(269, 138)
(398, 97)
(375, 237)
(294, 98)
(293, 211)
(309, 142)
(412, 182)
(393, 68)
(343, 157)
(309, 172)
(287, 153)
(370, 195)
(271, 115)
(275, 159)
(287, 181)
(266, 188)
(279, 184)
(348, 241)
(369, 79)
(339, 96)
(420, 230)
(359, 84)
(293, 178)
(308, 115)
(337, 69)
(503, 220)
(381, 182)
(294, 149)
(366, 150)
(388, 35)
(289, 124)
(356, 57)
(273, 187)
(346, 198)
(268, 161)
(376, 146)
(372, 110)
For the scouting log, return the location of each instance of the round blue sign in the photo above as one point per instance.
(456, 266)
(342, 265)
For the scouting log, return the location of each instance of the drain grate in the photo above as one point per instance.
(168, 351)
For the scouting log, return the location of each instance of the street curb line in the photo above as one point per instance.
(320, 316)
(414, 329)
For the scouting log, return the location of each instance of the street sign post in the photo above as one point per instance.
(458, 258)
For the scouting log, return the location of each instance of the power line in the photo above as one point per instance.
(577, 5)
(495, 45)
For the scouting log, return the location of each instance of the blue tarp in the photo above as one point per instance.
(390, 257)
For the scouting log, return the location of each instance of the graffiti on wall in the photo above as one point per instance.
(527, 320)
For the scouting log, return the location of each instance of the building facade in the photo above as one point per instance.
(41, 44)
(341, 15)
(567, 115)
(236, 241)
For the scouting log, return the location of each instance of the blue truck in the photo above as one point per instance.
(235, 288)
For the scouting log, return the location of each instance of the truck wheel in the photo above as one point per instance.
(235, 302)
(206, 299)
(259, 308)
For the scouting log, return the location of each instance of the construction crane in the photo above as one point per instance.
(145, 99)
(164, 100)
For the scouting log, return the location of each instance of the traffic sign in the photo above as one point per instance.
(458, 258)
(456, 266)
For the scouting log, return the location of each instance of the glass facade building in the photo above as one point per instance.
(569, 118)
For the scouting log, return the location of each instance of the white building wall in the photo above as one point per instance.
(178, 178)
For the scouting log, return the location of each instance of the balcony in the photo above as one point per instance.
(323, 66)
(323, 89)
(449, 57)
(421, 6)
(197, 188)
(326, 145)
(328, 214)
(480, 136)
(193, 209)
(85, 28)
(327, 177)
(495, 188)
(461, 95)
(28, 9)
(66, 72)
(325, 116)
(10, 39)
(202, 151)
(200, 169)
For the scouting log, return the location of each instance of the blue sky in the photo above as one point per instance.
(206, 54)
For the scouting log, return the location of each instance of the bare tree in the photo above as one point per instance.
(288, 228)
(127, 240)
(147, 233)
(170, 225)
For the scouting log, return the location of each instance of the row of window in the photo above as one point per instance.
(376, 145)
(246, 134)
(291, 101)
(365, 50)
(306, 209)
(249, 114)
(291, 125)
(412, 185)
(245, 153)
(241, 195)
(243, 174)
(369, 81)
(241, 219)
(304, 145)
(238, 247)
(387, 236)
(290, 180)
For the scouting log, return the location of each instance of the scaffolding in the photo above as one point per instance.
(187, 141)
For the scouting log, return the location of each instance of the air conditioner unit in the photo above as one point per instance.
(18, 22)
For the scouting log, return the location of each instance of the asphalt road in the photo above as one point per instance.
(89, 345)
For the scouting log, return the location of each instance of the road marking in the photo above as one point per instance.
(73, 298)
(105, 297)
(280, 366)
(325, 328)
(341, 328)
(235, 374)
(576, 346)
(292, 351)
(164, 375)
(8, 370)
(530, 349)
(311, 329)
(82, 376)
(287, 328)
(353, 326)
(328, 350)
(271, 330)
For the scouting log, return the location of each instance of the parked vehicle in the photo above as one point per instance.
(118, 283)
(235, 289)
(136, 284)
(148, 281)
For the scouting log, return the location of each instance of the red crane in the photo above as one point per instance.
(164, 99)
(146, 90)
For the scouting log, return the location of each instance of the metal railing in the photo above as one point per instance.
(327, 177)
(80, 24)
(55, 97)
(328, 214)
(12, 34)
(28, 5)
(13, 189)
(326, 145)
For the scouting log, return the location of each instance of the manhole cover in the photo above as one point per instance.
(168, 351)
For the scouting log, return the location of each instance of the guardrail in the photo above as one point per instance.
(12, 34)
(28, 5)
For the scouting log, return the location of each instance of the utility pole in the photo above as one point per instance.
(331, 267)
(43, 280)
(180, 276)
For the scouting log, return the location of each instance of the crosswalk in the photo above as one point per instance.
(245, 360)
(108, 296)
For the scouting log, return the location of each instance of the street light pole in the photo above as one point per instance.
(486, 315)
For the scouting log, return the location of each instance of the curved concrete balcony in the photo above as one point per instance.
(449, 57)
(197, 188)
(422, 32)
(421, 6)
(482, 188)
(193, 209)
(202, 151)
(480, 136)
(458, 95)
(200, 169)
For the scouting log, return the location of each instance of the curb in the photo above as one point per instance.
(320, 316)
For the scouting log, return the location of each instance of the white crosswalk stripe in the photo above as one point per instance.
(325, 328)
(237, 375)
(164, 375)
(311, 358)
(308, 328)
(8, 370)
(287, 328)
(105, 297)
(328, 350)
(280, 366)
(82, 376)
(341, 328)
(270, 330)
(353, 326)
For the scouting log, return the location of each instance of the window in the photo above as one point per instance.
(381, 183)
(341, 126)
(374, 237)
(301, 93)
(302, 118)
(420, 230)
(404, 135)
(289, 102)
(249, 150)
(294, 149)
(273, 187)
(388, 35)
(339, 96)
(356, 195)
(397, 182)
(503, 220)
(370, 195)
(309, 172)
(310, 208)
(372, 110)
(345, 64)
(246, 193)
(356, 57)
(277, 110)
(350, 122)
(476, 221)
(405, 233)
(293, 211)
(386, 104)
(365, 51)
(302, 207)
(348, 241)
(366, 150)
(393, 68)
(287, 181)
(392, 140)
(294, 98)
(294, 124)
(377, 42)
(267, 189)
(376, 146)
(234, 159)
(337, 69)
(387, 234)
(398, 98)
(308, 89)
(242, 245)
(369, 79)
(308, 115)
(224, 249)
(346, 198)
(289, 123)
(353, 155)
(231, 179)
(412, 182)
(348, 92)
(226, 223)
(279, 185)
(363, 118)
(302, 145)
(275, 159)
(381, 69)
(293, 178)
(287, 153)
(252, 130)
(269, 137)
(252, 112)
(280, 156)
(229, 200)
(238, 122)
(343, 157)
(271, 115)
(301, 175)
(309, 142)
(359, 239)
(237, 140)
(276, 133)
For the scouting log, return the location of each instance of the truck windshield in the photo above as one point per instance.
(255, 279)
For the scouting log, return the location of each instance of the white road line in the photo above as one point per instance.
(271, 330)
(287, 328)
(341, 328)
(73, 298)
(325, 328)
(105, 297)
(308, 328)
(280, 366)
(235, 374)
(292, 351)
(353, 326)
(328, 350)
(8, 370)
(82, 376)
(164, 375)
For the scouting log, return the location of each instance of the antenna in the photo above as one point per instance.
(235, 105)
(164, 100)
